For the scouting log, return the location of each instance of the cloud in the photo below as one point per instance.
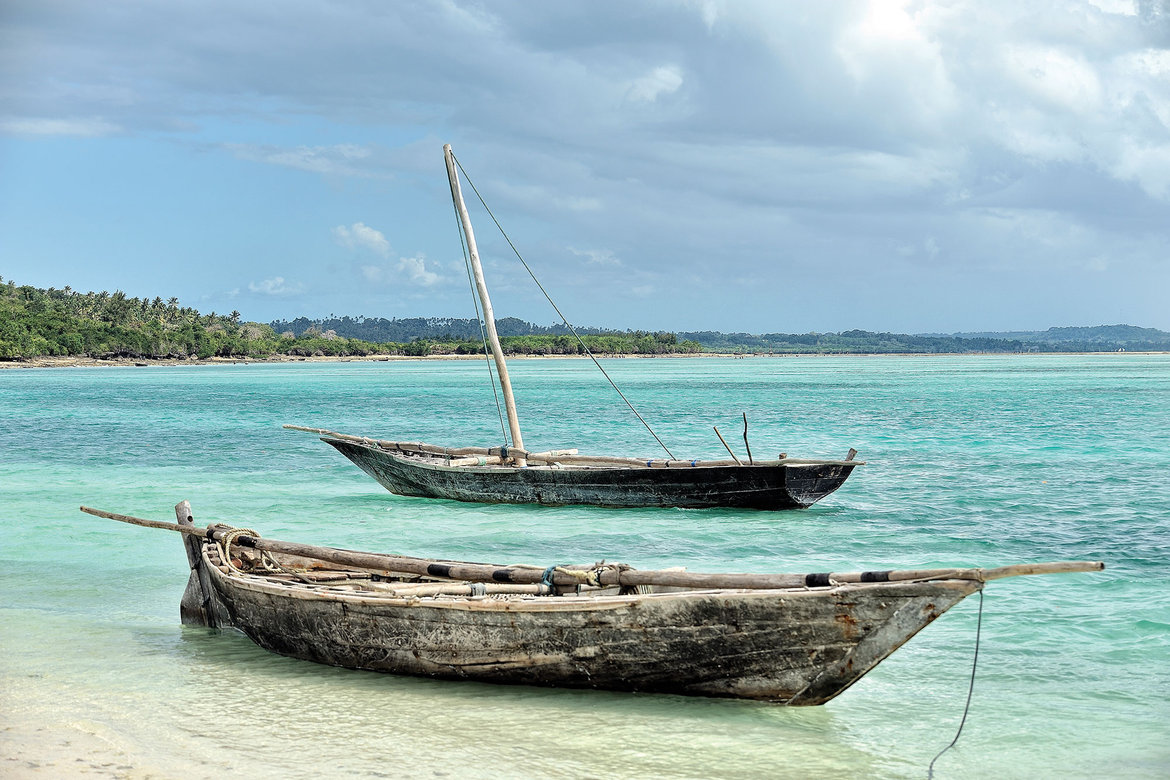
(374, 273)
(416, 270)
(412, 270)
(276, 286)
(663, 80)
(597, 256)
(361, 236)
(780, 138)
(408, 270)
(339, 160)
(80, 128)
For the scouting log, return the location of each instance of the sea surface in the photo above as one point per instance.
(971, 461)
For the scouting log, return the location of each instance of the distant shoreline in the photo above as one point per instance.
(88, 362)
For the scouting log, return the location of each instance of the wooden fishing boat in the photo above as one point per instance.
(511, 474)
(491, 475)
(797, 639)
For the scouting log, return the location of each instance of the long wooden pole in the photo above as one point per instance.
(729, 452)
(488, 315)
(486, 572)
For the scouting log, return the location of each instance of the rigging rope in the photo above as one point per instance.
(970, 690)
(558, 311)
(482, 333)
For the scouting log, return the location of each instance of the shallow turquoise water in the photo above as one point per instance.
(982, 461)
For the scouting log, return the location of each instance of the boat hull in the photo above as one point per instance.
(798, 647)
(750, 487)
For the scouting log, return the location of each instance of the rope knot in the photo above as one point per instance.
(228, 538)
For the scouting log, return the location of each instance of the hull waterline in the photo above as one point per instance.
(766, 487)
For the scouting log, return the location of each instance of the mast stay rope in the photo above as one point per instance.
(557, 309)
(482, 333)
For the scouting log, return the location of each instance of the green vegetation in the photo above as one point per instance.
(407, 329)
(1104, 338)
(36, 322)
(849, 342)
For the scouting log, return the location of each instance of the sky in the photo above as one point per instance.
(757, 165)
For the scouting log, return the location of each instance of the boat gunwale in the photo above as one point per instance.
(560, 603)
(416, 459)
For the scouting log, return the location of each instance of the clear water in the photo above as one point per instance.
(982, 460)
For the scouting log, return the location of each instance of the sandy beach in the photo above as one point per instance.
(89, 362)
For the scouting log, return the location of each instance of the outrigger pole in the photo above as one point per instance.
(488, 315)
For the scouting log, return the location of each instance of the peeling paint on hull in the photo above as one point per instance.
(797, 647)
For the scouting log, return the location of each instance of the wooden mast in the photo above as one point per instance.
(488, 315)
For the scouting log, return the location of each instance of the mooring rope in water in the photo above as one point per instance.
(970, 690)
(564, 319)
(480, 321)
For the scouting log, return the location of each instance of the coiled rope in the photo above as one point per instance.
(231, 535)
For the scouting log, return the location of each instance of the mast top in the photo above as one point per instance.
(485, 301)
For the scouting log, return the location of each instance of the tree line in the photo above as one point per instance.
(406, 329)
(37, 322)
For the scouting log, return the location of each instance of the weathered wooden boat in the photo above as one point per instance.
(796, 639)
(511, 474)
(491, 475)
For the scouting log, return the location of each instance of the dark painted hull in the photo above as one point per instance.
(702, 487)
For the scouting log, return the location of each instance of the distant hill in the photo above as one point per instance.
(1105, 338)
(37, 322)
(848, 342)
(378, 329)
(1117, 335)
(1102, 338)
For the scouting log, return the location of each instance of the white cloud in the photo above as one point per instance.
(664, 80)
(340, 159)
(81, 128)
(1067, 81)
(374, 273)
(1097, 264)
(362, 236)
(597, 256)
(709, 11)
(416, 270)
(1149, 166)
(535, 197)
(1123, 7)
(409, 270)
(276, 286)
